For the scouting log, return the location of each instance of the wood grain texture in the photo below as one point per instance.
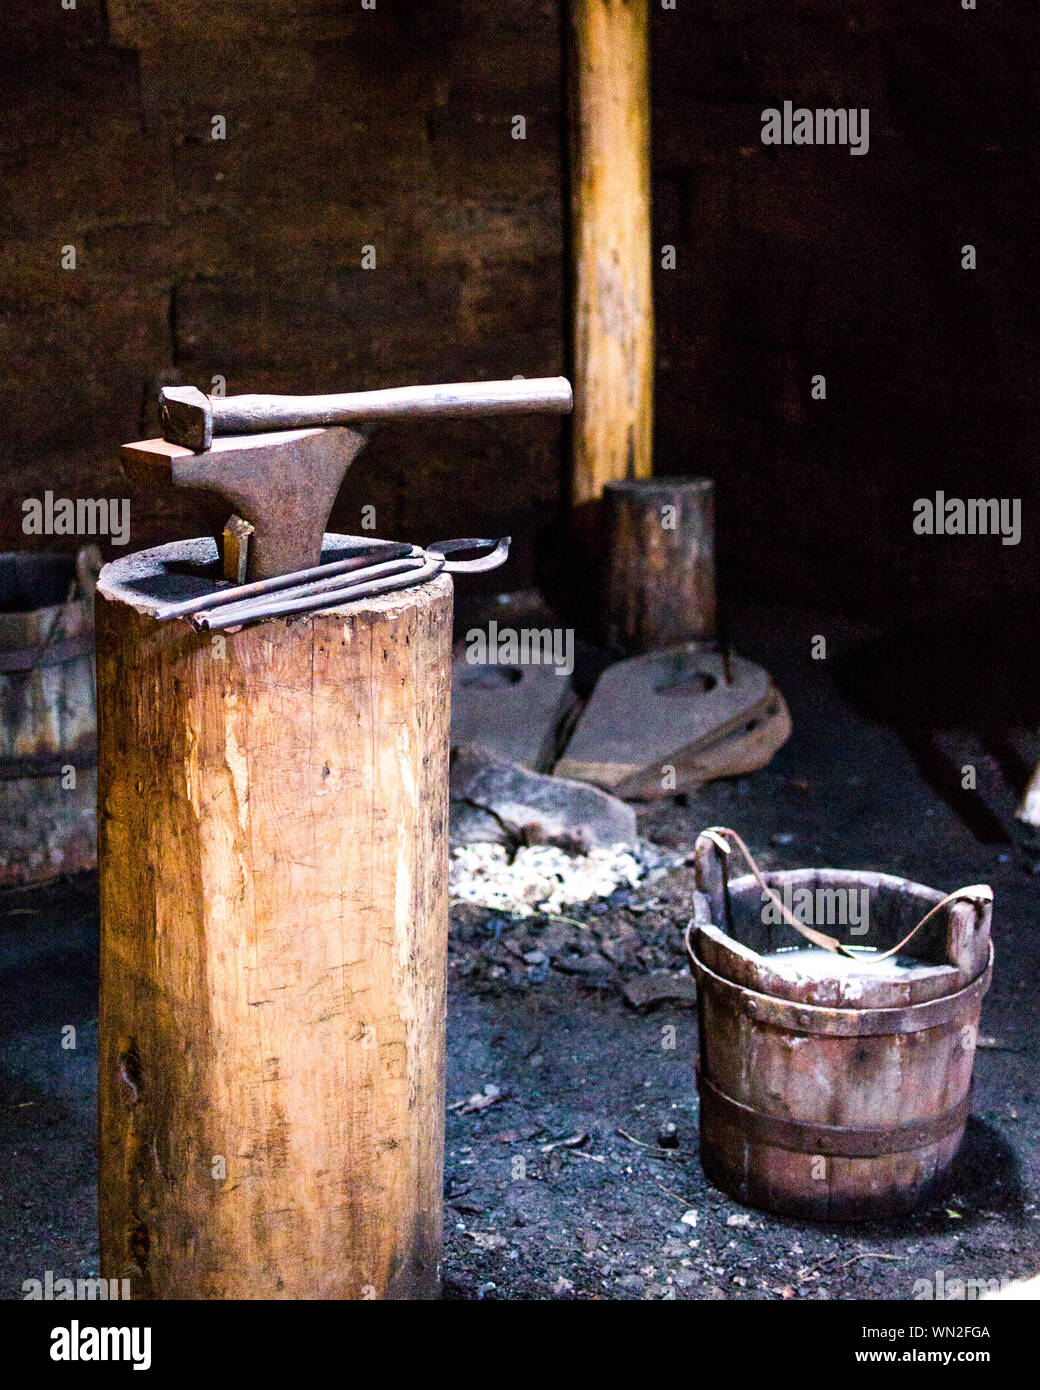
(659, 563)
(47, 724)
(610, 204)
(49, 707)
(273, 845)
(518, 396)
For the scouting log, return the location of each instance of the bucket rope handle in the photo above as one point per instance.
(978, 893)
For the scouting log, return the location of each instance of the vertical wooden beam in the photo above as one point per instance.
(613, 295)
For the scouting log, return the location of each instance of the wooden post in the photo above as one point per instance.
(659, 563)
(613, 292)
(273, 854)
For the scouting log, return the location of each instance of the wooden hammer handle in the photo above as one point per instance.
(258, 414)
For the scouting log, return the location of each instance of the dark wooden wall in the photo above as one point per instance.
(393, 128)
(800, 260)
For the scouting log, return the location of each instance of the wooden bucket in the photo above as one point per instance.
(834, 1088)
(48, 728)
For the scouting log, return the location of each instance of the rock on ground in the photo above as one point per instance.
(530, 808)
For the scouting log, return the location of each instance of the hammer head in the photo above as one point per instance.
(187, 417)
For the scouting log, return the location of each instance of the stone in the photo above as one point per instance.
(668, 1135)
(469, 825)
(663, 987)
(534, 809)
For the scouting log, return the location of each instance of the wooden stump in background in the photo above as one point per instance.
(658, 563)
(274, 904)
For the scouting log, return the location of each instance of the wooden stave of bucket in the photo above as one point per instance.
(47, 719)
(775, 1137)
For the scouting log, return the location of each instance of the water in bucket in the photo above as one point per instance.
(812, 963)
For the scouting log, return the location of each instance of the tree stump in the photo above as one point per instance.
(658, 563)
(273, 853)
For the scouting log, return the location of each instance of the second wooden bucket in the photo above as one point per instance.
(48, 728)
(834, 1087)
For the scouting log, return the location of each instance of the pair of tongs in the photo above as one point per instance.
(378, 569)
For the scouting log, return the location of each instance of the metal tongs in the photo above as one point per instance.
(375, 569)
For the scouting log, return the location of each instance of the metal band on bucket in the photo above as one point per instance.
(832, 1141)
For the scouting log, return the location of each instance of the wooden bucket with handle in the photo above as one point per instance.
(834, 1072)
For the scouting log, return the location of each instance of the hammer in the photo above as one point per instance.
(269, 487)
(191, 419)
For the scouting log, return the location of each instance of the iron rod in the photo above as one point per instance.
(390, 550)
(402, 575)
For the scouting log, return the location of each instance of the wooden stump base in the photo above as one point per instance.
(274, 906)
(659, 563)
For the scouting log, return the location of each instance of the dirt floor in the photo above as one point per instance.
(556, 1184)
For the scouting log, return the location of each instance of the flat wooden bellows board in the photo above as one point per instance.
(675, 710)
(512, 712)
